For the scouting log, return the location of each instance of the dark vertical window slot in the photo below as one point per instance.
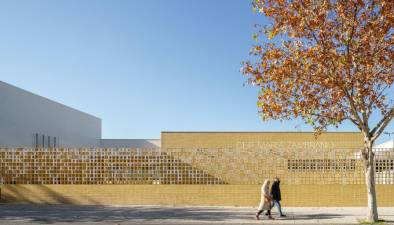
(36, 140)
(43, 141)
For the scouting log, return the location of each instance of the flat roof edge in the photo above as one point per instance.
(130, 139)
(50, 100)
(311, 132)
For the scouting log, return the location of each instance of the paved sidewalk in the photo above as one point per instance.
(86, 215)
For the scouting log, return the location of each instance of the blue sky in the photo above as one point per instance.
(141, 66)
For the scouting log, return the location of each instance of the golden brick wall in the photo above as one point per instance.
(244, 140)
(250, 157)
(97, 166)
(252, 166)
(208, 195)
(200, 169)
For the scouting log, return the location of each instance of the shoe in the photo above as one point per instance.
(283, 215)
(270, 217)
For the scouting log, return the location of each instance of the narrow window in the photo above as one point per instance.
(36, 140)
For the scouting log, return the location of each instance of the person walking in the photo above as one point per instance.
(276, 196)
(265, 202)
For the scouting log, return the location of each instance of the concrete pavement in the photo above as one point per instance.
(97, 215)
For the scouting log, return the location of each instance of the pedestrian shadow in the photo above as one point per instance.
(320, 216)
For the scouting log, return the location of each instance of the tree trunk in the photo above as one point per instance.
(369, 164)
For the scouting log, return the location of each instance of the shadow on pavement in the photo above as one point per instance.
(321, 216)
(72, 213)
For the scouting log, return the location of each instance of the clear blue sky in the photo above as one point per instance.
(141, 66)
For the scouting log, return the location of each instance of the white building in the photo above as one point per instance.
(385, 145)
(28, 120)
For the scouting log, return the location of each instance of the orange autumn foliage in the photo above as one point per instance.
(335, 62)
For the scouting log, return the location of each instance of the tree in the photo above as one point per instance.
(334, 63)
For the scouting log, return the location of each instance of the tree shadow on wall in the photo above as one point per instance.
(21, 194)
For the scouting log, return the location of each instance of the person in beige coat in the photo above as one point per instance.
(265, 202)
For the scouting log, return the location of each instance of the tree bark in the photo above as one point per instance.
(369, 164)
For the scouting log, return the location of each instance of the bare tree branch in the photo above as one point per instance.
(382, 124)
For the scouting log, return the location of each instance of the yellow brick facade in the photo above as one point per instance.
(207, 168)
(206, 195)
(237, 140)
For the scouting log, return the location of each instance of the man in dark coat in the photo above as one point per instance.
(276, 197)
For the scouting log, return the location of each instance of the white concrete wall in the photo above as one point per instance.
(23, 114)
(130, 143)
(388, 144)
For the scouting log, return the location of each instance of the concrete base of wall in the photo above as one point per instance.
(205, 195)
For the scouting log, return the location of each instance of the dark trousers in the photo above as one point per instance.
(277, 204)
(261, 211)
